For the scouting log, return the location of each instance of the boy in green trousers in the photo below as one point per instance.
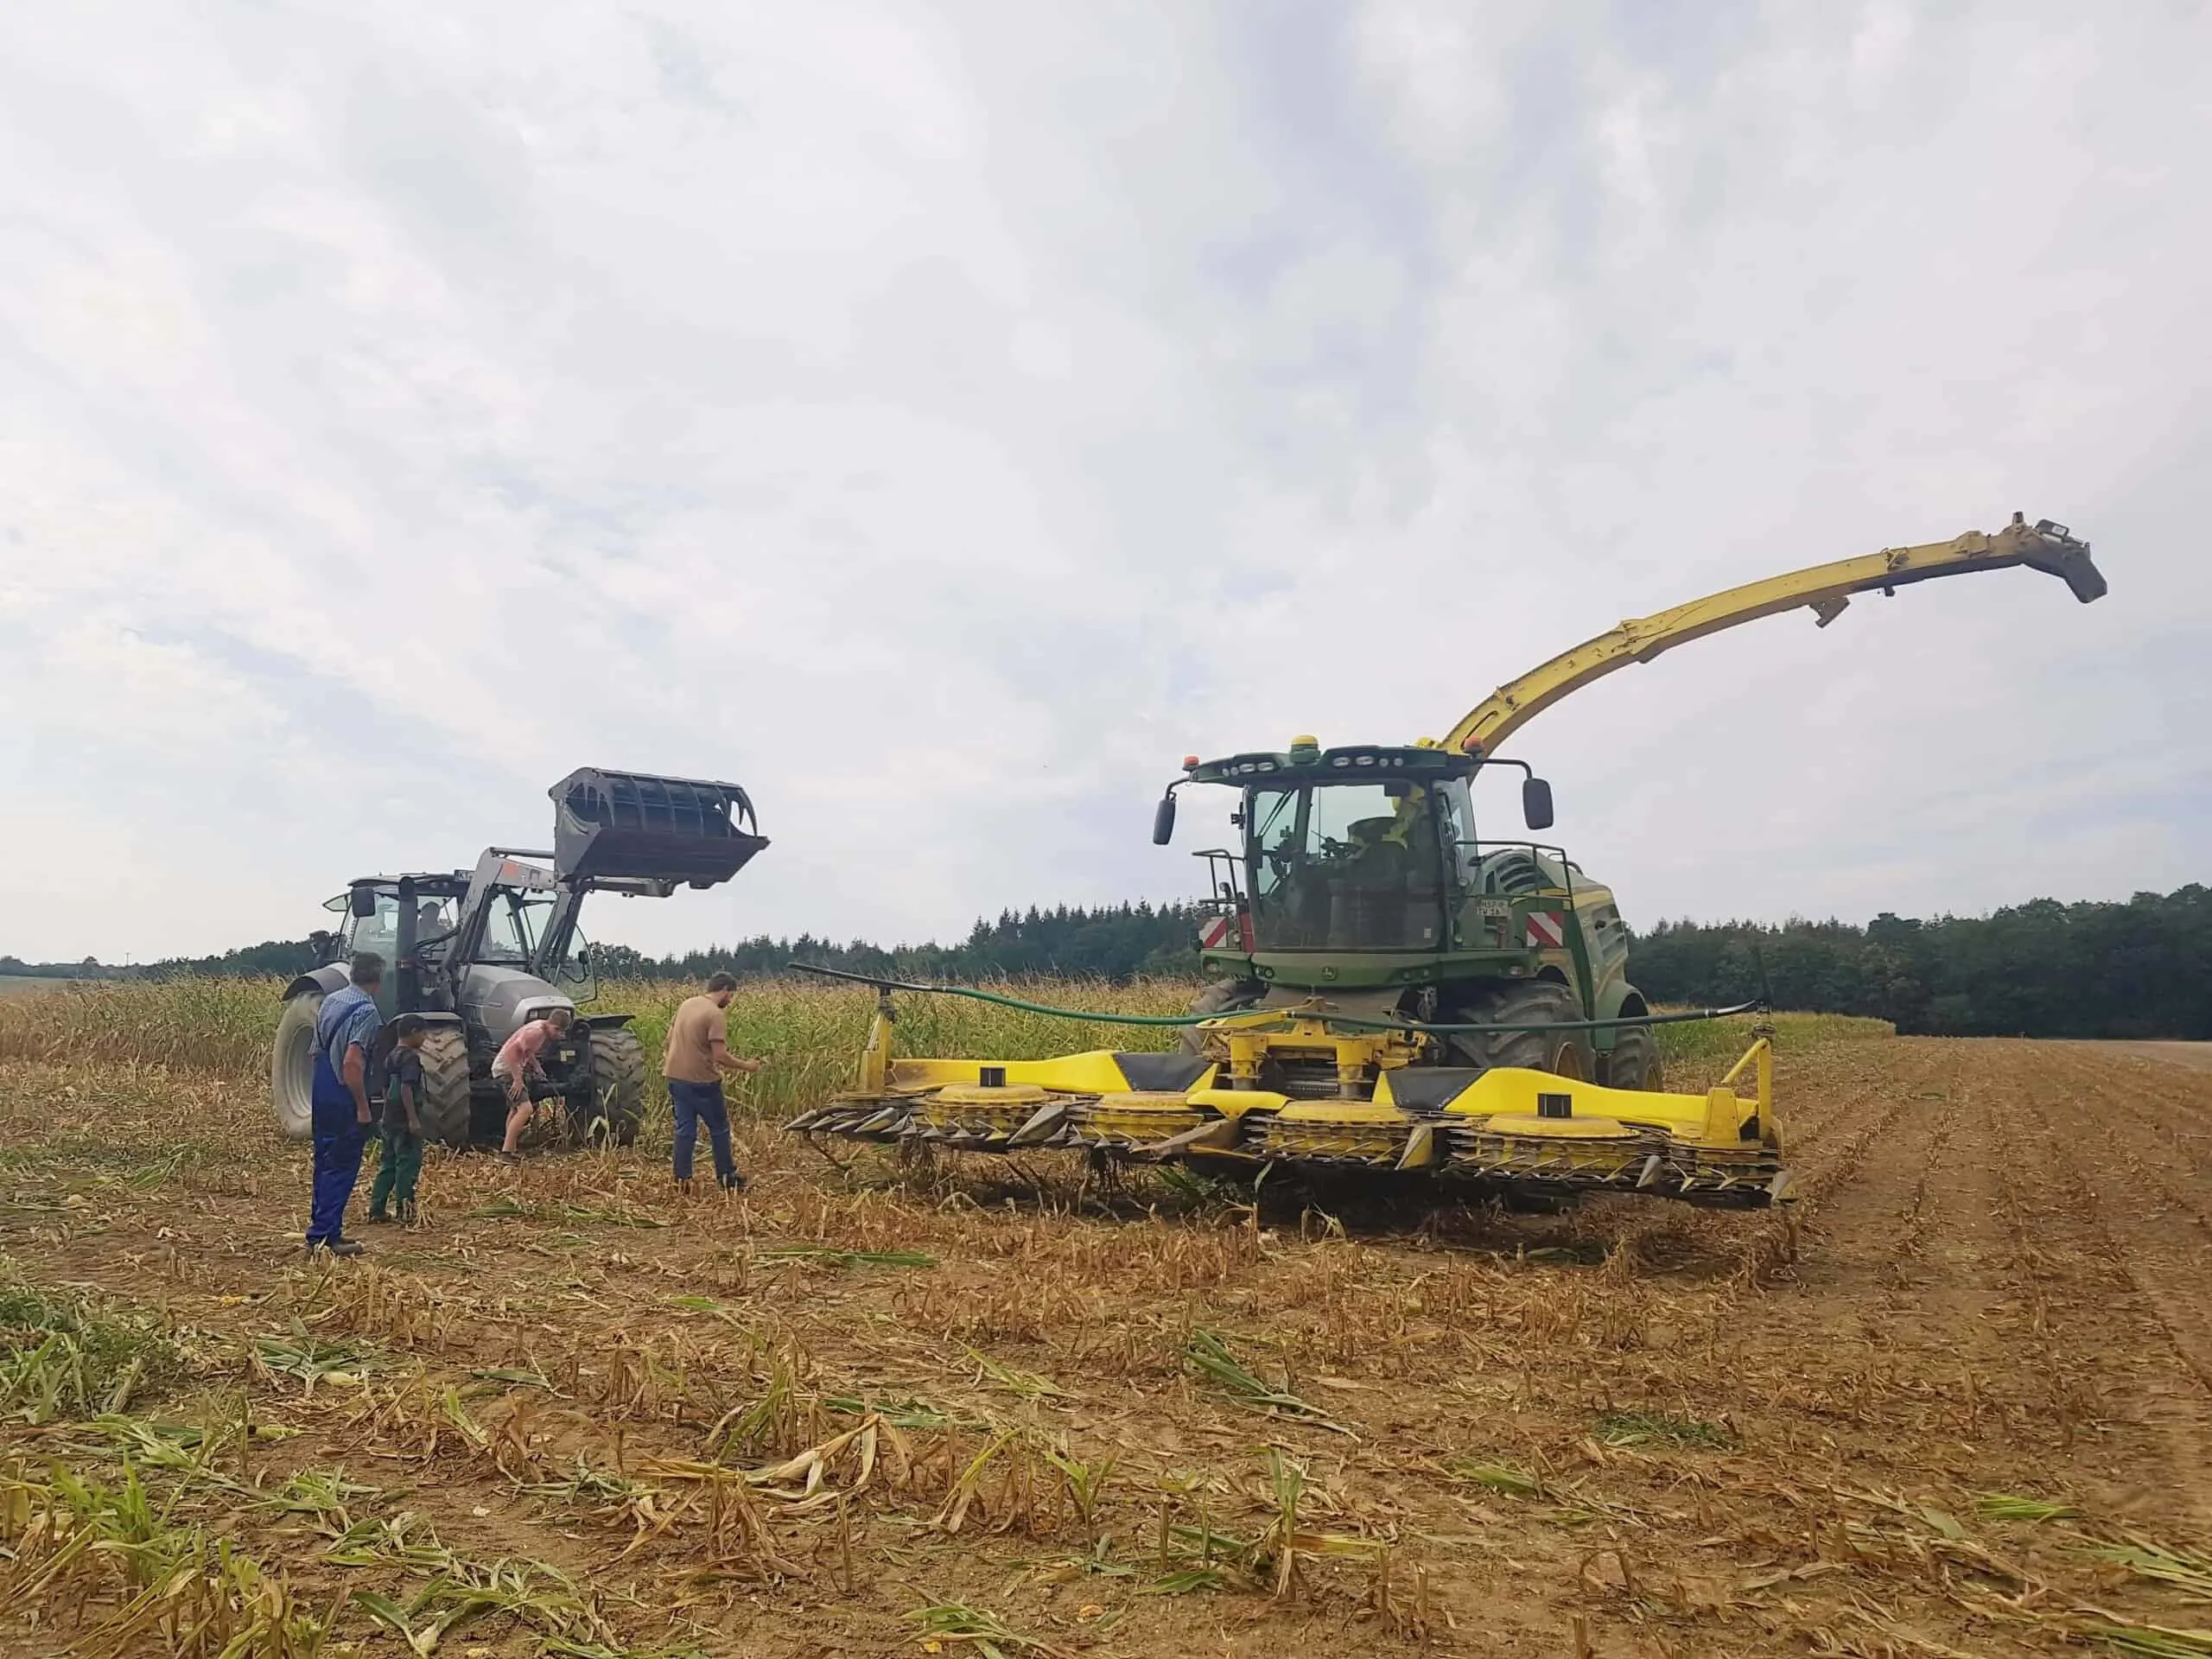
(402, 1162)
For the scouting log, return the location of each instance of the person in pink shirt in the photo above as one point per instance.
(519, 1063)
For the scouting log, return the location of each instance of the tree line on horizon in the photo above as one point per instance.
(2142, 968)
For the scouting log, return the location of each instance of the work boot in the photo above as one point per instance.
(377, 1219)
(684, 1187)
(732, 1182)
(346, 1247)
(407, 1213)
(506, 1157)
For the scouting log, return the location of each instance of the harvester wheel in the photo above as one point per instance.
(617, 1090)
(291, 1066)
(1634, 1063)
(1541, 1002)
(444, 1109)
(1223, 996)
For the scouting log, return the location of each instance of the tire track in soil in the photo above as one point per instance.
(1807, 1132)
(2184, 1092)
(1908, 1303)
(2166, 1265)
(1824, 1186)
(2157, 1108)
(1907, 1221)
(2098, 1317)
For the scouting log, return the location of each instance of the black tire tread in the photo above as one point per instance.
(1530, 1002)
(618, 1088)
(1634, 1063)
(1223, 996)
(443, 1110)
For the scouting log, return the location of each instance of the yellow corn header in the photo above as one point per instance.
(1503, 1126)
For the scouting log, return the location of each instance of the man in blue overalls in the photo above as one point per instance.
(344, 1045)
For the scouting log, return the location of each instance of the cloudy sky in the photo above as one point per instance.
(940, 418)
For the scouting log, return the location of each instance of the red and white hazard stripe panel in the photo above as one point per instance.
(1546, 929)
(1215, 932)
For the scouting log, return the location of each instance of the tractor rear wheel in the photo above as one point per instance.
(444, 1109)
(1566, 1053)
(291, 1066)
(617, 1090)
(1223, 996)
(1634, 1063)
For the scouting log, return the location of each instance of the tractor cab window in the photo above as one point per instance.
(513, 926)
(1347, 867)
(380, 932)
(434, 919)
(575, 975)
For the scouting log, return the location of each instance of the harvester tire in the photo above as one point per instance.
(443, 1111)
(1566, 1053)
(617, 1090)
(291, 1066)
(1634, 1063)
(1223, 996)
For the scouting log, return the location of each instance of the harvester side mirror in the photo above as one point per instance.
(1536, 804)
(364, 905)
(1163, 821)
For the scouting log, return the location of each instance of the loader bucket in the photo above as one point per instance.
(630, 824)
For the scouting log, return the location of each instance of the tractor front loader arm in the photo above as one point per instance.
(1824, 589)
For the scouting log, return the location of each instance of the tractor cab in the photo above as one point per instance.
(430, 928)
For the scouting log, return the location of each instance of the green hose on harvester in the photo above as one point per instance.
(1353, 1021)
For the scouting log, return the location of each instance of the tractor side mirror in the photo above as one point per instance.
(1536, 804)
(364, 905)
(1163, 821)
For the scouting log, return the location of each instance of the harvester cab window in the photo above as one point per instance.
(1455, 828)
(1346, 867)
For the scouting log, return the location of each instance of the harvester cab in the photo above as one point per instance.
(480, 952)
(1398, 994)
(1360, 879)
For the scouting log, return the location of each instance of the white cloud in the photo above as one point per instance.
(941, 419)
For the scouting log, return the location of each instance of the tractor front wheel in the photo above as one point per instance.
(617, 1105)
(291, 1066)
(443, 1110)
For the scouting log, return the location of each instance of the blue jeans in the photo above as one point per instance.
(339, 1136)
(696, 1104)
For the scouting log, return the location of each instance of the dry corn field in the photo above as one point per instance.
(1956, 1403)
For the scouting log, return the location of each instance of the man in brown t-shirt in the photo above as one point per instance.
(698, 1054)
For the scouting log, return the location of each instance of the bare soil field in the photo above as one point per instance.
(2197, 1055)
(1957, 1401)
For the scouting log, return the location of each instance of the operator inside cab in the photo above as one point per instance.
(1410, 826)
